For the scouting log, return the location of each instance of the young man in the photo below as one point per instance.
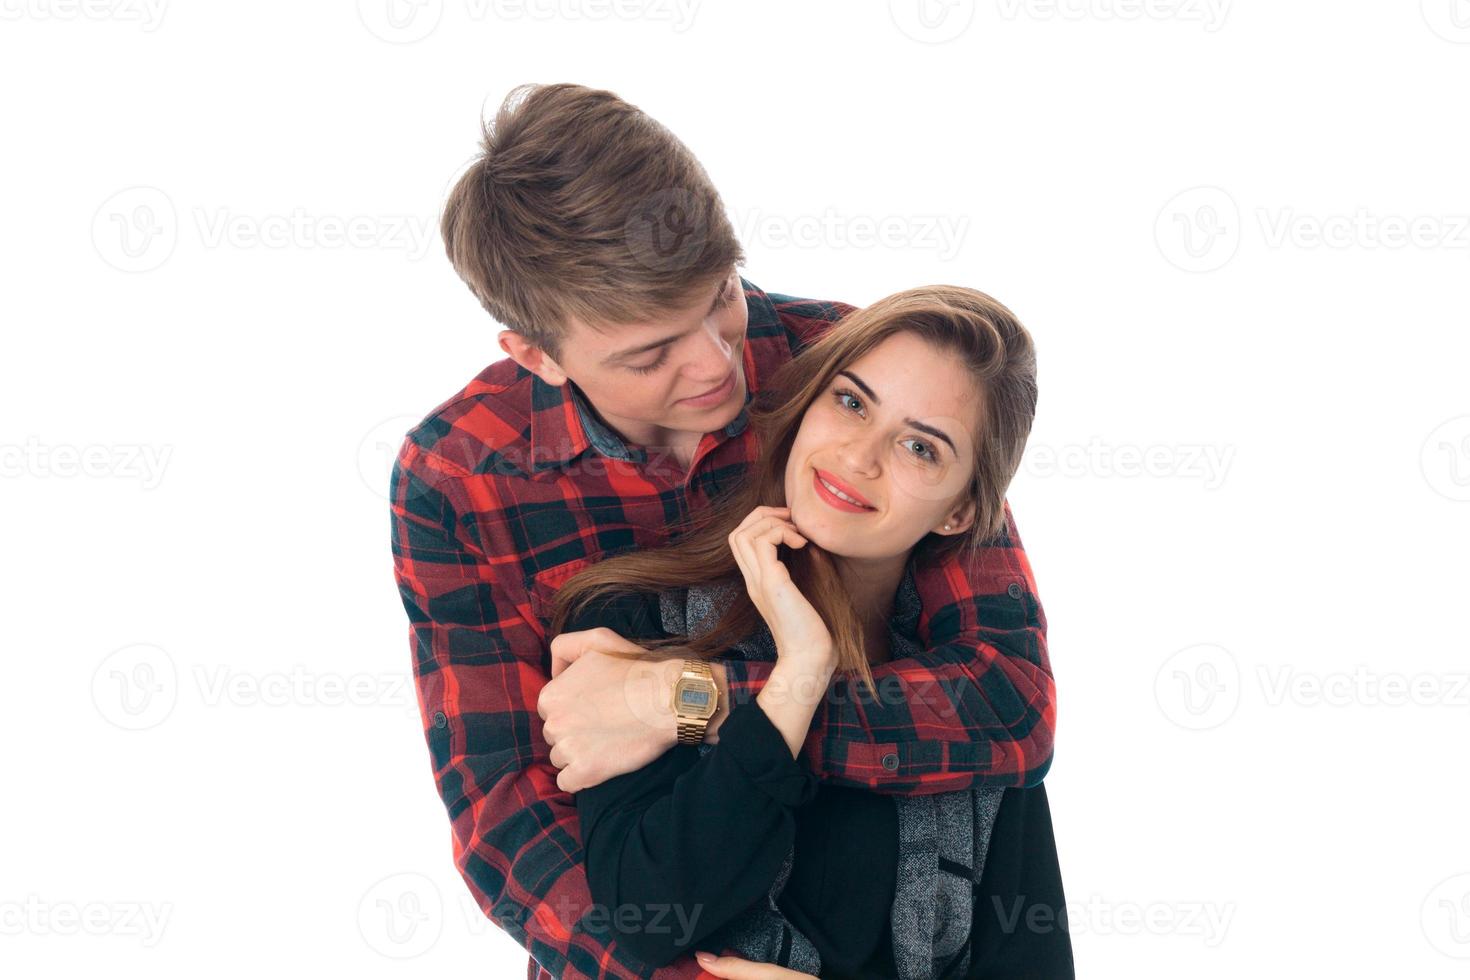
(598, 240)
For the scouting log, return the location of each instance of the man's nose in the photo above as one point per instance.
(713, 357)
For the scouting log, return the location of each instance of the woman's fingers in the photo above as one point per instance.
(755, 548)
(762, 527)
(763, 512)
(768, 528)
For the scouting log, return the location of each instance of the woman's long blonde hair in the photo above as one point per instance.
(980, 332)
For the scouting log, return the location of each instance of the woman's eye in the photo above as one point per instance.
(927, 455)
(844, 396)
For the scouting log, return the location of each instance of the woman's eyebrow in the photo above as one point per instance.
(922, 427)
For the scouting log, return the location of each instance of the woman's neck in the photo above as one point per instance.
(872, 584)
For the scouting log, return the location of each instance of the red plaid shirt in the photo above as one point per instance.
(512, 486)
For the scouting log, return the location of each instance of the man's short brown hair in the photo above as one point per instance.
(580, 204)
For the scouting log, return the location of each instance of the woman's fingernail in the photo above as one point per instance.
(704, 957)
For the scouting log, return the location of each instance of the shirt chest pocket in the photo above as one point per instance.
(543, 586)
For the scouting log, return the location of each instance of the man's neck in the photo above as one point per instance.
(674, 445)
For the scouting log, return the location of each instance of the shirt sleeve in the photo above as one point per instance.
(976, 707)
(690, 839)
(479, 666)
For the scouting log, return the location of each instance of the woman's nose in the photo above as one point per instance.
(860, 456)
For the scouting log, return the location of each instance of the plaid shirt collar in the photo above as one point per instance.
(564, 426)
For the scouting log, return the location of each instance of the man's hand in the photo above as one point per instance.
(605, 715)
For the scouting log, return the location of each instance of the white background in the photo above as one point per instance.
(1239, 232)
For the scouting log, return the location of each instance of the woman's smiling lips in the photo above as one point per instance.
(833, 490)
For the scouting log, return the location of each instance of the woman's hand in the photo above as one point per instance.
(795, 625)
(734, 968)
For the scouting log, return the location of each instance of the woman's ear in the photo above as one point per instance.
(959, 520)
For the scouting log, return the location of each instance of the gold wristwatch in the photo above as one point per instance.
(696, 698)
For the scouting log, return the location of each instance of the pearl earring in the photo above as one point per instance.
(946, 527)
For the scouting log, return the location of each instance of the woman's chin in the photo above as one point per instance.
(833, 543)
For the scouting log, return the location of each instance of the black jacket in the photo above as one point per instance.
(689, 841)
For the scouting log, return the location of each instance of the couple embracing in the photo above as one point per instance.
(723, 633)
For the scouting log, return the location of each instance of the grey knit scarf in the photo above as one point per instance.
(942, 837)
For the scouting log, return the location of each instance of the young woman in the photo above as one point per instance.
(888, 443)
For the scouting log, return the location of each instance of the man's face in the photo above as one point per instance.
(645, 379)
(892, 430)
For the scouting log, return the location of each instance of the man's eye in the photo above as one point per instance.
(651, 367)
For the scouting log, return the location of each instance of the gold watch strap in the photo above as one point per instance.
(691, 730)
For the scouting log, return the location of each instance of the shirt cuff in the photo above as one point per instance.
(758, 749)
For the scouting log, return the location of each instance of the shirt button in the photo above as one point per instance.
(1013, 590)
(440, 719)
(890, 762)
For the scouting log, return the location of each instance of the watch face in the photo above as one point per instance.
(694, 698)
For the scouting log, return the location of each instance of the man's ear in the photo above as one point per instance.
(532, 358)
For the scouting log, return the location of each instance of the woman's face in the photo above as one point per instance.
(894, 430)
